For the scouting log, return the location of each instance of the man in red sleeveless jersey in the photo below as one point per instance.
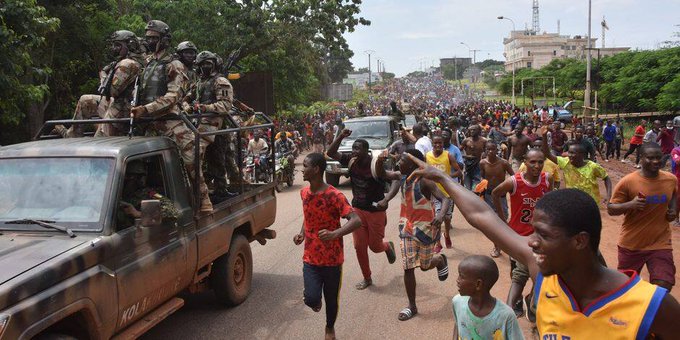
(525, 189)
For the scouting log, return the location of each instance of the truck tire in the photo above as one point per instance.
(333, 179)
(232, 273)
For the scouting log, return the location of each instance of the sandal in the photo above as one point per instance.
(407, 313)
(391, 255)
(443, 273)
(318, 308)
(363, 284)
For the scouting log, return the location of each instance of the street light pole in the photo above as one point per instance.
(513, 60)
(586, 99)
(369, 66)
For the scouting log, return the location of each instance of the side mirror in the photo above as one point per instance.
(151, 213)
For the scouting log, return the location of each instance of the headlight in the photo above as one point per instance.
(4, 321)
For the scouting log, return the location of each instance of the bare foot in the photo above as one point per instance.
(330, 334)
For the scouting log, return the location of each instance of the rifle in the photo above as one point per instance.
(133, 103)
(105, 87)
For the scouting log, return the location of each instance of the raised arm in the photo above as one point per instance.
(544, 145)
(332, 151)
(481, 216)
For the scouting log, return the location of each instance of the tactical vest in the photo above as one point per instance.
(205, 90)
(154, 82)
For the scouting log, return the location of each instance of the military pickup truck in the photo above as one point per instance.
(71, 266)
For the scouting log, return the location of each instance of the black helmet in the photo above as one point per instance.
(207, 55)
(158, 26)
(186, 45)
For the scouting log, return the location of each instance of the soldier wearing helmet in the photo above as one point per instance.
(136, 190)
(213, 93)
(186, 53)
(162, 87)
(117, 81)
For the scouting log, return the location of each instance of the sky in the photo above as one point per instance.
(406, 34)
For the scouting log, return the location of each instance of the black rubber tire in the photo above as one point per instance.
(279, 184)
(333, 179)
(290, 180)
(232, 273)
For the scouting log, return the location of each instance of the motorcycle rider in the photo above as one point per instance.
(285, 145)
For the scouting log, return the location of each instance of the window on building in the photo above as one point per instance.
(528, 64)
(529, 53)
(554, 52)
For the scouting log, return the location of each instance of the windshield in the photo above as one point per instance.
(364, 129)
(64, 190)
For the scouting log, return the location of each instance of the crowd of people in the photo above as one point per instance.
(500, 165)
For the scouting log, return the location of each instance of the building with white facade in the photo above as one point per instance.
(526, 49)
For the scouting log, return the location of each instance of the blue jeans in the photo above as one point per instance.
(473, 175)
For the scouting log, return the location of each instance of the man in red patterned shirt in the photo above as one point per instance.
(323, 206)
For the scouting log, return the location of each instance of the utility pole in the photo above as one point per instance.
(369, 66)
(513, 58)
(586, 99)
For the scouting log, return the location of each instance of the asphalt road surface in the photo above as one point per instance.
(274, 309)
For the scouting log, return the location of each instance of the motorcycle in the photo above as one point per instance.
(257, 169)
(284, 171)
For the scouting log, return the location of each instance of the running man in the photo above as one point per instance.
(444, 161)
(525, 189)
(648, 198)
(368, 201)
(580, 173)
(493, 170)
(419, 227)
(576, 296)
(518, 144)
(473, 147)
(323, 206)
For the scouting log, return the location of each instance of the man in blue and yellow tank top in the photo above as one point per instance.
(576, 296)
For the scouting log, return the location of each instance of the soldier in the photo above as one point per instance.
(186, 53)
(121, 86)
(135, 190)
(161, 89)
(212, 94)
(115, 90)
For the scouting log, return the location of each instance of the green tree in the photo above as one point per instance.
(23, 79)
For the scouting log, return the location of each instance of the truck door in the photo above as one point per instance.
(150, 262)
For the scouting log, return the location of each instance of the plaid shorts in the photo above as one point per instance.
(415, 254)
(438, 206)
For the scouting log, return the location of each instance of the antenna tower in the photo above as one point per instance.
(535, 26)
(604, 28)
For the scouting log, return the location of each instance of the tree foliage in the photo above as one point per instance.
(632, 81)
(52, 50)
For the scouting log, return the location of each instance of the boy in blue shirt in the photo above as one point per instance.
(479, 315)
(609, 136)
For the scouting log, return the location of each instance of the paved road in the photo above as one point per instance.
(275, 309)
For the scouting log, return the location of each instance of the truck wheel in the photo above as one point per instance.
(333, 179)
(232, 273)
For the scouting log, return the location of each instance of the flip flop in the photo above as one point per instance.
(391, 255)
(363, 284)
(443, 273)
(407, 313)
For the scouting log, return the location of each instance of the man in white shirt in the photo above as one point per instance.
(651, 135)
(257, 145)
(423, 142)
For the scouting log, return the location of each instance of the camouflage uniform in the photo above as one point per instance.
(216, 94)
(121, 90)
(161, 86)
(89, 105)
(168, 209)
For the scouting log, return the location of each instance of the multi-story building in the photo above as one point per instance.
(526, 49)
